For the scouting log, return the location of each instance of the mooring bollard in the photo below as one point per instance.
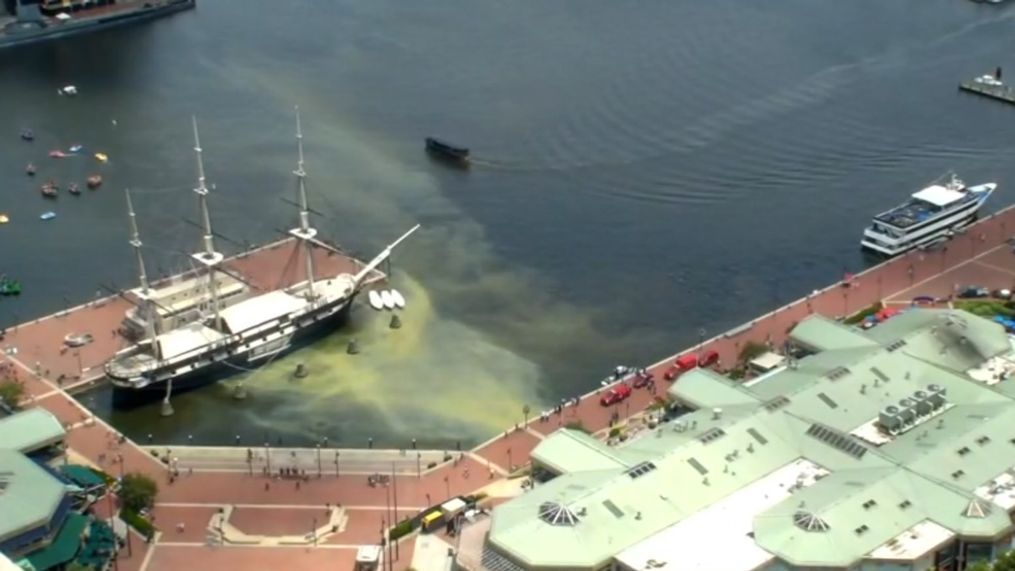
(353, 347)
(396, 322)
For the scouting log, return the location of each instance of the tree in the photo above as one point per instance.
(751, 350)
(137, 491)
(11, 392)
(1005, 563)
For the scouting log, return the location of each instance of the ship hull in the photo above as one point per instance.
(52, 32)
(130, 397)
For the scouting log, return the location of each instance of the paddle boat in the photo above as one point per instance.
(58, 154)
(30, 169)
(47, 215)
(27, 135)
(49, 189)
(68, 90)
(75, 148)
(4, 219)
(102, 157)
(73, 188)
(9, 286)
(94, 181)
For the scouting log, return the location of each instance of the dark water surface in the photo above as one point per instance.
(643, 171)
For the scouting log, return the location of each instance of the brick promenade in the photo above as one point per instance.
(268, 506)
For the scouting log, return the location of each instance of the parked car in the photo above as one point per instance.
(709, 358)
(1002, 293)
(642, 379)
(970, 292)
(683, 364)
(615, 395)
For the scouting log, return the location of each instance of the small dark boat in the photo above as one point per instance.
(30, 169)
(27, 135)
(447, 150)
(73, 188)
(49, 190)
(94, 181)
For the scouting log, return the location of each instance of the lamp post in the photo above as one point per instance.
(447, 486)
(336, 463)
(314, 531)
(510, 462)
(318, 459)
(267, 456)
(701, 341)
(419, 463)
(525, 415)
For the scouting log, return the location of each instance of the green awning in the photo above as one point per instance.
(65, 544)
(82, 476)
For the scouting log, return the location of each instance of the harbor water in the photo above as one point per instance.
(642, 176)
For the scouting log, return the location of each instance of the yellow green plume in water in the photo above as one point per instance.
(431, 371)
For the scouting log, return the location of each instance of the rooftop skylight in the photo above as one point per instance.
(807, 521)
(555, 513)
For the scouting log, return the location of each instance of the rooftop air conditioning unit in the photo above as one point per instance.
(907, 410)
(936, 395)
(923, 405)
(889, 418)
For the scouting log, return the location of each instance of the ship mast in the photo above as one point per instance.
(305, 232)
(150, 316)
(209, 257)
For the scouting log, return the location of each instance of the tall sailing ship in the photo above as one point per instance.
(198, 329)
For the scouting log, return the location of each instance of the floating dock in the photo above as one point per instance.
(1000, 92)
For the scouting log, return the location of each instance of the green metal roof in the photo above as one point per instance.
(704, 388)
(575, 451)
(821, 333)
(30, 430)
(28, 494)
(620, 496)
(82, 476)
(64, 546)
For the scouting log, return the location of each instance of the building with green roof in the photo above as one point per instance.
(889, 449)
(38, 526)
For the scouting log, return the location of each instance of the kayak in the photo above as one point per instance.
(58, 154)
(101, 157)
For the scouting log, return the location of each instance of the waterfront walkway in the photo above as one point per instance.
(207, 482)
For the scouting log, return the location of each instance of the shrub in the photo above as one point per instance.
(135, 520)
(137, 491)
(401, 530)
(615, 432)
(11, 392)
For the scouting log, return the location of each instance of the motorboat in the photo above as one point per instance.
(932, 214)
(68, 90)
(447, 150)
(58, 154)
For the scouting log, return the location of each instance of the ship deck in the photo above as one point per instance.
(981, 256)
